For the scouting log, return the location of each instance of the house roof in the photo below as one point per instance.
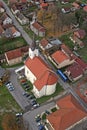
(4, 16)
(66, 50)
(13, 29)
(75, 70)
(81, 33)
(38, 27)
(59, 56)
(16, 53)
(81, 63)
(44, 5)
(76, 5)
(43, 73)
(85, 8)
(69, 113)
(44, 42)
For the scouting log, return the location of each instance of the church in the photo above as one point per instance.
(42, 77)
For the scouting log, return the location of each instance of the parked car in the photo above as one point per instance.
(18, 114)
(36, 106)
(38, 118)
(31, 97)
(41, 127)
(47, 112)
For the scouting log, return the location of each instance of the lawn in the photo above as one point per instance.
(45, 98)
(65, 39)
(83, 53)
(10, 44)
(7, 103)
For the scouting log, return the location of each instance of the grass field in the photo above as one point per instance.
(10, 44)
(7, 104)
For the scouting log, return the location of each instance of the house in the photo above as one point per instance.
(14, 9)
(44, 5)
(65, 10)
(5, 19)
(1, 31)
(37, 28)
(80, 33)
(74, 72)
(44, 80)
(15, 56)
(12, 32)
(21, 18)
(44, 44)
(69, 114)
(76, 5)
(77, 41)
(62, 57)
(85, 8)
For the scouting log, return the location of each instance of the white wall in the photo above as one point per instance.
(29, 75)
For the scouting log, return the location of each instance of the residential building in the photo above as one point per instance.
(69, 114)
(21, 18)
(80, 33)
(12, 32)
(37, 28)
(6, 19)
(15, 56)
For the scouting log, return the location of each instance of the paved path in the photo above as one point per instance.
(18, 26)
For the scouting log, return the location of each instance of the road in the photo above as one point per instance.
(18, 26)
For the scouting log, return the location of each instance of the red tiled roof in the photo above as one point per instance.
(16, 53)
(81, 63)
(44, 5)
(38, 27)
(85, 8)
(13, 54)
(42, 72)
(76, 5)
(75, 70)
(48, 78)
(44, 42)
(66, 49)
(69, 113)
(81, 33)
(59, 57)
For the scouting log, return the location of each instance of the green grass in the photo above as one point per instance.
(30, 33)
(44, 116)
(11, 44)
(7, 103)
(54, 109)
(4, 65)
(45, 98)
(83, 53)
(65, 39)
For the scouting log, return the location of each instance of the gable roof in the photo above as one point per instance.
(13, 54)
(59, 56)
(81, 33)
(38, 26)
(69, 113)
(43, 72)
(75, 70)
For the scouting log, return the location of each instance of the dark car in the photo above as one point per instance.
(41, 127)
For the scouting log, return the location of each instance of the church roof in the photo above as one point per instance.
(42, 72)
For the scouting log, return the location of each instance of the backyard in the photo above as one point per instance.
(10, 44)
(7, 104)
